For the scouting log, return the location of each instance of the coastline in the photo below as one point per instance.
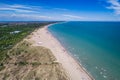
(70, 53)
(42, 37)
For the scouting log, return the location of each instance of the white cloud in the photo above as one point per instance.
(17, 8)
(31, 16)
(114, 5)
(25, 12)
(72, 16)
(26, 16)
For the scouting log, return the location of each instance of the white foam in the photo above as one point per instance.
(104, 76)
(103, 69)
(96, 67)
(101, 72)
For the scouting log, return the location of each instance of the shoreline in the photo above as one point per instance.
(70, 53)
(74, 70)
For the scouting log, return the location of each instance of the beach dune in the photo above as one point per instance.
(42, 37)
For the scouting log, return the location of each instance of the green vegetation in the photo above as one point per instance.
(2, 67)
(13, 32)
(37, 64)
(23, 61)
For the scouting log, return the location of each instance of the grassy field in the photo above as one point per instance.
(27, 62)
(19, 60)
(13, 32)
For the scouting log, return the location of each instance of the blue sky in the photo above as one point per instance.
(69, 10)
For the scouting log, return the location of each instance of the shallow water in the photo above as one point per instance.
(96, 45)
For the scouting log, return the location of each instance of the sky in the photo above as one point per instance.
(59, 10)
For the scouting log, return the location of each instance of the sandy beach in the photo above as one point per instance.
(42, 37)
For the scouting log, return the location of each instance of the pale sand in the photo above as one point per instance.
(42, 37)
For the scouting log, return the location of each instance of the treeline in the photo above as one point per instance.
(11, 33)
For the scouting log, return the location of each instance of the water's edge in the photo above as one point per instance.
(69, 53)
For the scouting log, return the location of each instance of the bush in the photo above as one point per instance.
(2, 67)
(23, 63)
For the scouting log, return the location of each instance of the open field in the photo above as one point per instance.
(22, 61)
(13, 32)
(26, 62)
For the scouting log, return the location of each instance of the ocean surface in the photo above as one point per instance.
(96, 45)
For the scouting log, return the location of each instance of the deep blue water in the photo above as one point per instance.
(96, 45)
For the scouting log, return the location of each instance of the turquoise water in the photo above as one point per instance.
(96, 45)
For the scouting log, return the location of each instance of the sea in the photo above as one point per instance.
(95, 44)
